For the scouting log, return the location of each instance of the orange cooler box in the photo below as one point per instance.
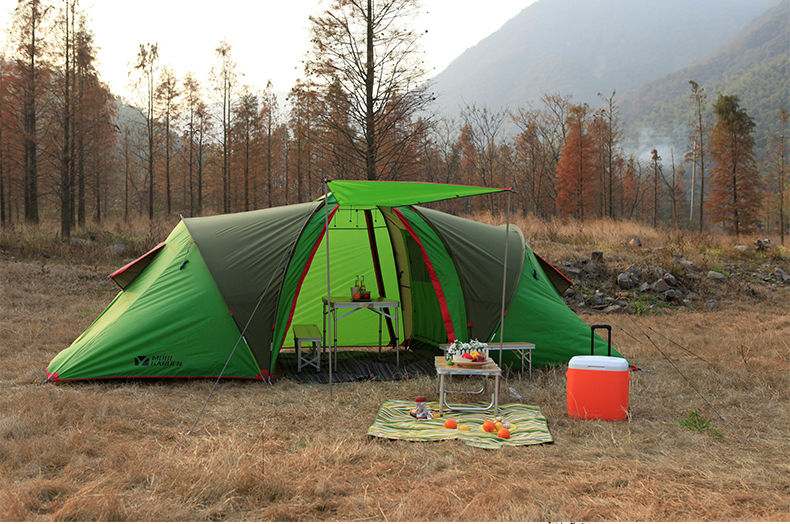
(598, 387)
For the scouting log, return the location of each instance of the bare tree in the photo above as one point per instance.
(611, 136)
(247, 130)
(127, 144)
(305, 106)
(367, 50)
(3, 175)
(777, 165)
(224, 77)
(655, 162)
(167, 94)
(483, 136)
(66, 178)
(147, 59)
(193, 105)
(700, 125)
(269, 117)
(29, 17)
(674, 186)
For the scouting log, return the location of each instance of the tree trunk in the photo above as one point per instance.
(65, 159)
(370, 122)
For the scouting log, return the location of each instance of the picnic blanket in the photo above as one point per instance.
(358, 365)
(528, 425)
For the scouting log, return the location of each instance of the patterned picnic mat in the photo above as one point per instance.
(528, 425)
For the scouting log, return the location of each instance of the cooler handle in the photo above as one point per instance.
(592, 337)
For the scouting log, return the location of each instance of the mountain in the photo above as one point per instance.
(583, 47)
(753, 64)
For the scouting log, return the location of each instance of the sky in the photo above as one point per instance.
(269, 39)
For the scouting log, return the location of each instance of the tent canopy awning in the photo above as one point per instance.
(369, 194)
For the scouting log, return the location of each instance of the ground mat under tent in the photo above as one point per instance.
(358, 365)
(528, 425)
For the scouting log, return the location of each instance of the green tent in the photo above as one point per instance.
(235, 284)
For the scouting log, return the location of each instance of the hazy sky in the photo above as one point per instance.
(268, 37)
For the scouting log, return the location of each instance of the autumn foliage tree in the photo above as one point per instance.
(537, 151)
(577, 187)
(735, 195)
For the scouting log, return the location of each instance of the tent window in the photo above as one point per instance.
(126, 275)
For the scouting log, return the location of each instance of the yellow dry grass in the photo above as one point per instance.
(112, 451)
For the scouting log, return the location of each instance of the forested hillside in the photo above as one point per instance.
(754, 64)
(581, 48)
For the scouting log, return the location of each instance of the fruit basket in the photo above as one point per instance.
(467, 363)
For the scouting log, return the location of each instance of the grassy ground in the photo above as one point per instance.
(121, 450)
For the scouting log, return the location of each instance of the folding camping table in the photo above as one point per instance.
(379, 305)
(443, 369)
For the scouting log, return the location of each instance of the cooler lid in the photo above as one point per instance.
(598, 362)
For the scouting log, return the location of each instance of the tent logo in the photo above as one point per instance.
(159, 360)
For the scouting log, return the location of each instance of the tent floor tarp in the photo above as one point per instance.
(355, 365)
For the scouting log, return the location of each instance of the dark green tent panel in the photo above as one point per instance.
(474, 246)
(247, 254)
(170, 321)
(235, 284)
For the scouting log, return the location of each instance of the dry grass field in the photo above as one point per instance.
(114, 451)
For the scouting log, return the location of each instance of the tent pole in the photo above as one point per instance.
(328, 287)
(504, 285)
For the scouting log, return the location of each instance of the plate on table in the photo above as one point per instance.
(466, 363)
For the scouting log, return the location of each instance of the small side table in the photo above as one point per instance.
(489, 370)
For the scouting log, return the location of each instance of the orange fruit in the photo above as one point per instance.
(450, 423)
(489, 426)
(357, 296)
(503, 433)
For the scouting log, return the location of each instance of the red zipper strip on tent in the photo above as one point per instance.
(304, 274)
(55, 377)
(437, 286)
(374, 252)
